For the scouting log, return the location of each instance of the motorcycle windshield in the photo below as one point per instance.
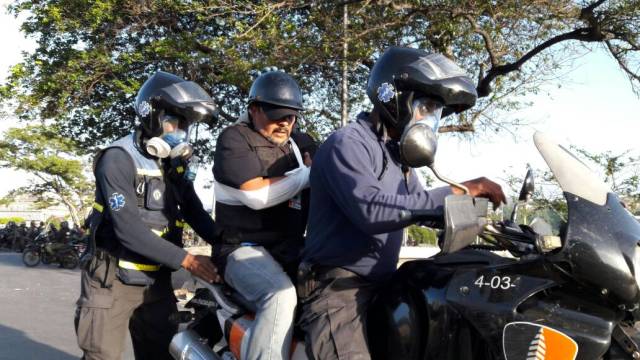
(572, 174)
(602, 237)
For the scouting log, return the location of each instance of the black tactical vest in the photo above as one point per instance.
(157, 206)
(283, 223)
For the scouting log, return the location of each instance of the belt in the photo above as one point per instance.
(323, 273)
(102, 254)
(312, 277)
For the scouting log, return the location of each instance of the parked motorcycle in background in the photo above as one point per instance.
(572, 296)
(44, 249)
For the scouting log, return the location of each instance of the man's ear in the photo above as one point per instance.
(252, 109)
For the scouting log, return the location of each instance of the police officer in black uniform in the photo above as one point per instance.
(142, 201)
(261, 172)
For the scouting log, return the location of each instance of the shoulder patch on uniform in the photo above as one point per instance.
(116, 201)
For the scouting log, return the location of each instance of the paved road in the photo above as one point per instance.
(36, 311)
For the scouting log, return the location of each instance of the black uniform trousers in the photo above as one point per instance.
(334, 316)
(106, 308)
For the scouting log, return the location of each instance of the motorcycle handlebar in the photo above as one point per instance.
(421, 215)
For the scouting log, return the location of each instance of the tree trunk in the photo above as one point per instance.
(72, 210)
(344, 102)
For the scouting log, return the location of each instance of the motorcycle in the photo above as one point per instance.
(79, 243)
(39, 251)
(572, 296)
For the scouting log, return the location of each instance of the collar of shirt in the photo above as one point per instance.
(391, 147)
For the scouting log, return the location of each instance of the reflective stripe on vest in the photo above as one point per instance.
(140, 267)
(158, 232)
(98, 207)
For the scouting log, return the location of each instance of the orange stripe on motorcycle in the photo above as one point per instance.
(237, 332)
(235, 338)
(526, 340)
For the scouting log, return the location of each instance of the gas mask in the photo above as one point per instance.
(174, 146)
(173, 142)
(170, 144)
(419, 142)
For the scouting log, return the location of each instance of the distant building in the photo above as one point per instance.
(24, 207)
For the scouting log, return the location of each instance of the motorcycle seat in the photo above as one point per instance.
(229, 299)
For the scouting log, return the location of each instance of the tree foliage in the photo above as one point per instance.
(419, 235)
(92, 56)
(620, 171)
(54, 162)
(15, 219)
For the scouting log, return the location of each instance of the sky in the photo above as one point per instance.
(594, 109)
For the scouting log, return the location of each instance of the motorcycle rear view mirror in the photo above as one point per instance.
(525, 193)
(418, 145)
(528, 186)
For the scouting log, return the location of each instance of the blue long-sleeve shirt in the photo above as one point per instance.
(355, 218)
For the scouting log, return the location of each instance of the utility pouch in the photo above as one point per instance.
(101, 268)
(134, 277)
(154, 194)
(307, 281)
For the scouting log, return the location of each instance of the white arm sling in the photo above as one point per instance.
(282, 190)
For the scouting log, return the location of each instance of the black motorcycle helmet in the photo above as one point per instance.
(165, 93)
(278, 89)
(64, 225)
(402, 75)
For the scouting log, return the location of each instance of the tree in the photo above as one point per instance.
(621, 171)
(547, 201)
(53, 161)
(92, 56)
(421, 235)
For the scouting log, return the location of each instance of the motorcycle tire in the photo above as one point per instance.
(70, 261)
(31, 258)
(46, 259)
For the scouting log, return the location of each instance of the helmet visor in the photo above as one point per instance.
(188, 100)
(437, 67)
(427, 111)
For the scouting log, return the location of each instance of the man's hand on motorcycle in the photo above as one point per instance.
(483, 187)
(202, 267)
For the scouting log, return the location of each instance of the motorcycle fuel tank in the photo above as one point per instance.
(465, 306)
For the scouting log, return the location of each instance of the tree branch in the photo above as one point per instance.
(457, 128)
(621, 62)
(587, 12)
(488, 43)
(582, 34)
(257, 23)
(226, 115)
(204, 48)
